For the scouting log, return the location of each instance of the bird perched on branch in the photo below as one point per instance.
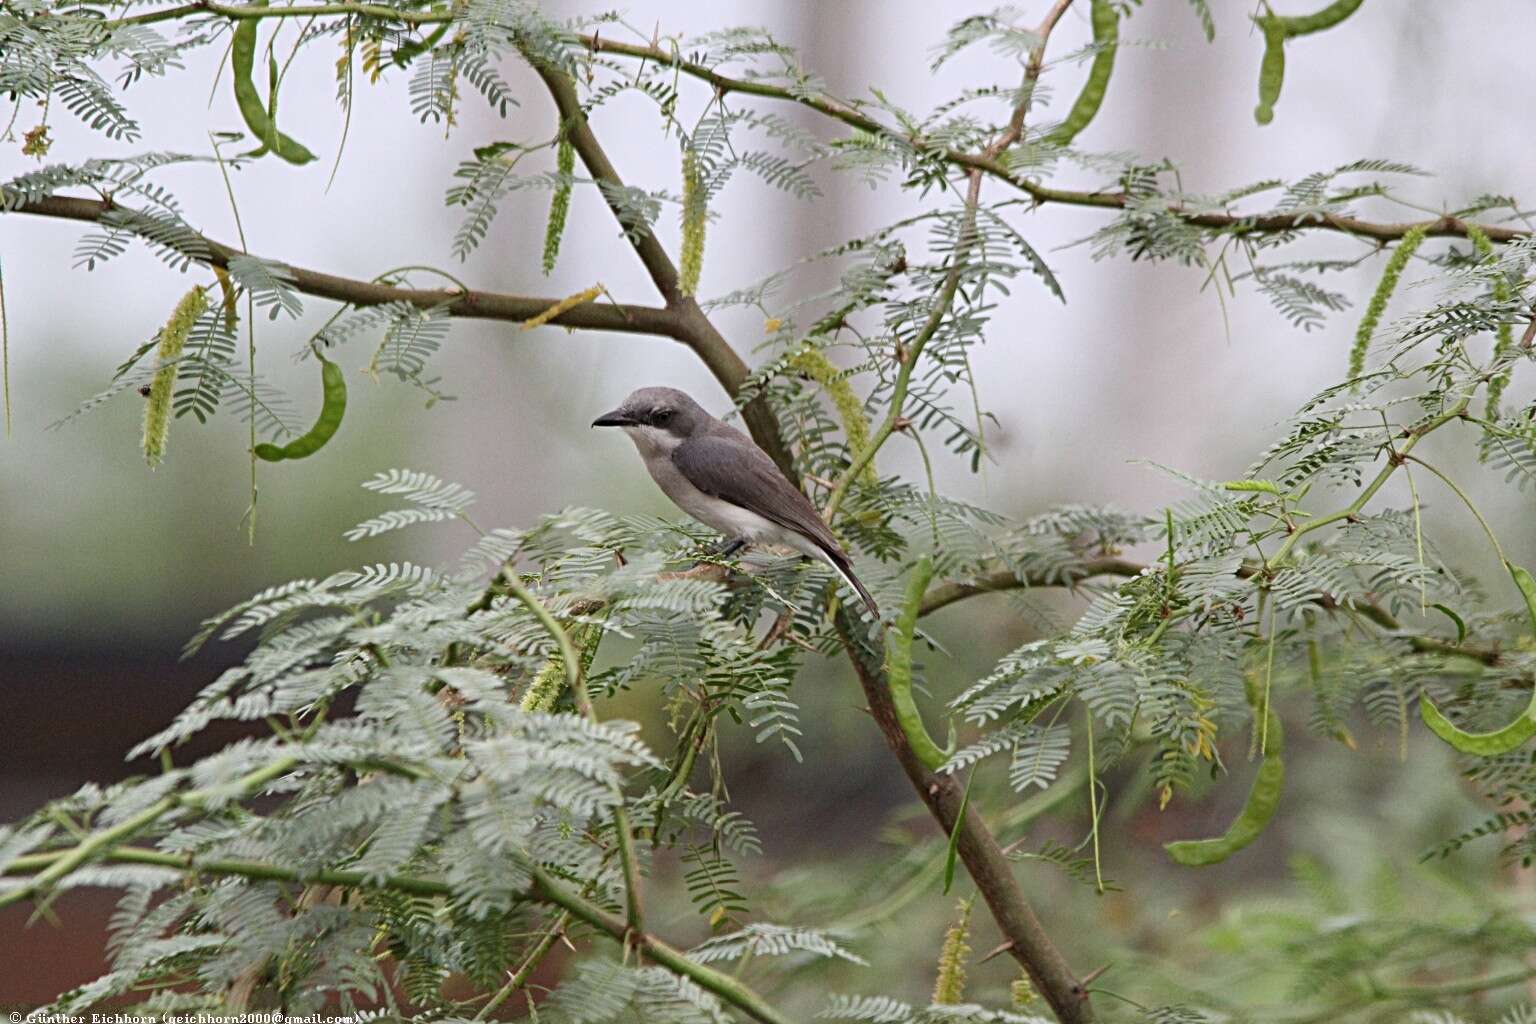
(717, 475)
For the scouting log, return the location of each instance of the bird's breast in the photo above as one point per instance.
(729, 519)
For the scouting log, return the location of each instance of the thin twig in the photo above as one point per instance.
(633, 904)
(544, 889)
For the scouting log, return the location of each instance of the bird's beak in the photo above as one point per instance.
(617, 418)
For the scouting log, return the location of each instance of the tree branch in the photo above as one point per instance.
(850, 115)
(692, 327)
(571, 660)
(98, 842)
(951, 591)
(476, 305)
(989, 164)
(978, 849)
(984, 860)
(1025, 939)
(544, 889)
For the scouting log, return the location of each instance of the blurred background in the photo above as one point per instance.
(107, 567)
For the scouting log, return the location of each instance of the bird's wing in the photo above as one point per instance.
(734, 469)
(737, 471)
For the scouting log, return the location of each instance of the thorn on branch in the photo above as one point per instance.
(1095, 974)
(997, 951)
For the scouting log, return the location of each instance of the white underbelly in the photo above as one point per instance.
(735, 522)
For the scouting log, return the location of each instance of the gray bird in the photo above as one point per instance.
(717, 475)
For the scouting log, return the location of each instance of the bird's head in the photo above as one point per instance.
(656, 418)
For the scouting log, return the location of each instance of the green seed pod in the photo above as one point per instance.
(173, 338)
(814, 363)
(1327, 17)
(334, 406)
(1263, 798)
(694, 213)
(1277, 30)
(1271, 70)
(559, 203)
(1411, 240)
(1512, 736)
(258, 118)
(898, 668)
(949, 986)
(1257, 811)
(1106, 36)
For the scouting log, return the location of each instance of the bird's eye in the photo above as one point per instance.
(661, 416)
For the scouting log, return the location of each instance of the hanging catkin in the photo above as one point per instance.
(173, 338)
(814, 363)
(949, 987)
(694, 212)
(559, 203)
(1378, 305)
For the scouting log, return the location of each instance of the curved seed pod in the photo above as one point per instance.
(173, 338)
(694, 212)
(242, 63)
(1277, 29)
(1263, 799)
(814, 363)
(898, 666)
(1412, 239)
(559, 203)
(1513, 735)
(334, 386)
(409, 51)
(1327, 17)
(1106, 35)
(1271, 70)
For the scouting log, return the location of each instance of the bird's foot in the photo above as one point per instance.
(730, 548)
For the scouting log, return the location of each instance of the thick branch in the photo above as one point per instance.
(693, 328)
(984, 860)
(478, 305)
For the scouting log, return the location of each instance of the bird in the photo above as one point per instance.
(720, 477)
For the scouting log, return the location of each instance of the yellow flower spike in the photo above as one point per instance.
(949, 987)
(173, 338)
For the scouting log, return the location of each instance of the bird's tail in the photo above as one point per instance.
(844, 568)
